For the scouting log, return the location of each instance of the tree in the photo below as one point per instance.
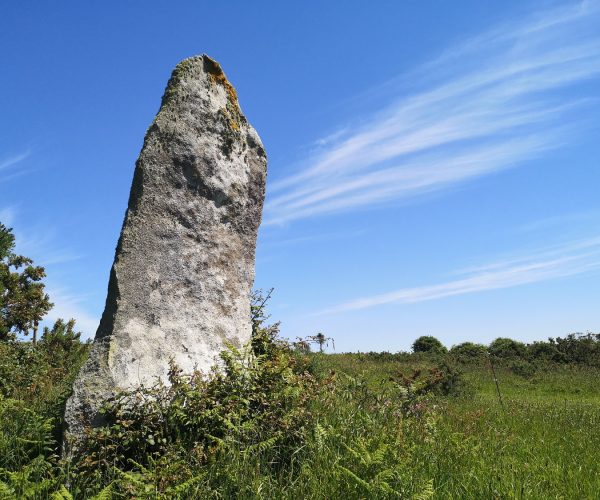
(469, 350)
(504, 347)
(427, 343)
(23, 302)
(320, 339)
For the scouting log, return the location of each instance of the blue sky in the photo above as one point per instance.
(434, 167)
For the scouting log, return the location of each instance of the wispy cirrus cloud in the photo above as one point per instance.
(7, 165)
(570, 259)
(13, 160)
(491, 103)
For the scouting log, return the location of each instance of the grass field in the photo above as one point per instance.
(319, 426)
(543, 443)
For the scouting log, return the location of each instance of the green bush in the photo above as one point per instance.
(522, 368)
(545, 351)
(507, 348)
(442, 379)
(429, 344)
(468, 351)
(41, 375)
(582, 348)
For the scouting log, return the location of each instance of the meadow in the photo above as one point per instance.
(280, 422)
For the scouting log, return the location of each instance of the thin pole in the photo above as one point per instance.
(496, 381)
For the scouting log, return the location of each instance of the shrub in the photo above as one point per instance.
(545, 351)
(468, 351)
(507, 348)
(522, 368)
(24, 434)
(581, 348)
(443, 379)
(427, 343)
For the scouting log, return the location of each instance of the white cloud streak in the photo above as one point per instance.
(6, 166)
(561, 261)
(13, 160)
(499, 103)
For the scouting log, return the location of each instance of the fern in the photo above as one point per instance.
(186, 487)
(107, 493)
(61, 494)
(6, 491)
(426, 493)
(320, 435)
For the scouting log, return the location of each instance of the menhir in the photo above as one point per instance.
(180, 285)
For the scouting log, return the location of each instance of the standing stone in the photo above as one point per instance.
(180, 284)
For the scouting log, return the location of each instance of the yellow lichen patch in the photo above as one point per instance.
(217, 76)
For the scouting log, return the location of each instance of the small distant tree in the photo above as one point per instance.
(23, 302)
(428, 343)
(504, 347)
(319, 339)
(468, 350)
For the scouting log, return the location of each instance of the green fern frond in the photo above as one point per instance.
(186, 487)
(61, 494)
(426, 493)
(357, 480)
(106, 493)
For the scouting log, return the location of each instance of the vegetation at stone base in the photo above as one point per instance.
(279, 423)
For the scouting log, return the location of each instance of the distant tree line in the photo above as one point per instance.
(580, 348)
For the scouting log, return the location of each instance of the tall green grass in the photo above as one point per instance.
(319, 426)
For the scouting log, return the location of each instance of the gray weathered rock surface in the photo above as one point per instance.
(184, 265)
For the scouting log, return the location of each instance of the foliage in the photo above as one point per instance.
(581, 348)
(575, 348)
(522, 368)
(257, 402)
(468, 351)
(507, 348)
(443, 379)
(41, 375)
(23, 302)
(427, 343)
(274, 422)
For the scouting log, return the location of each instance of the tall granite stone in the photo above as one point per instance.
(184, 266)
